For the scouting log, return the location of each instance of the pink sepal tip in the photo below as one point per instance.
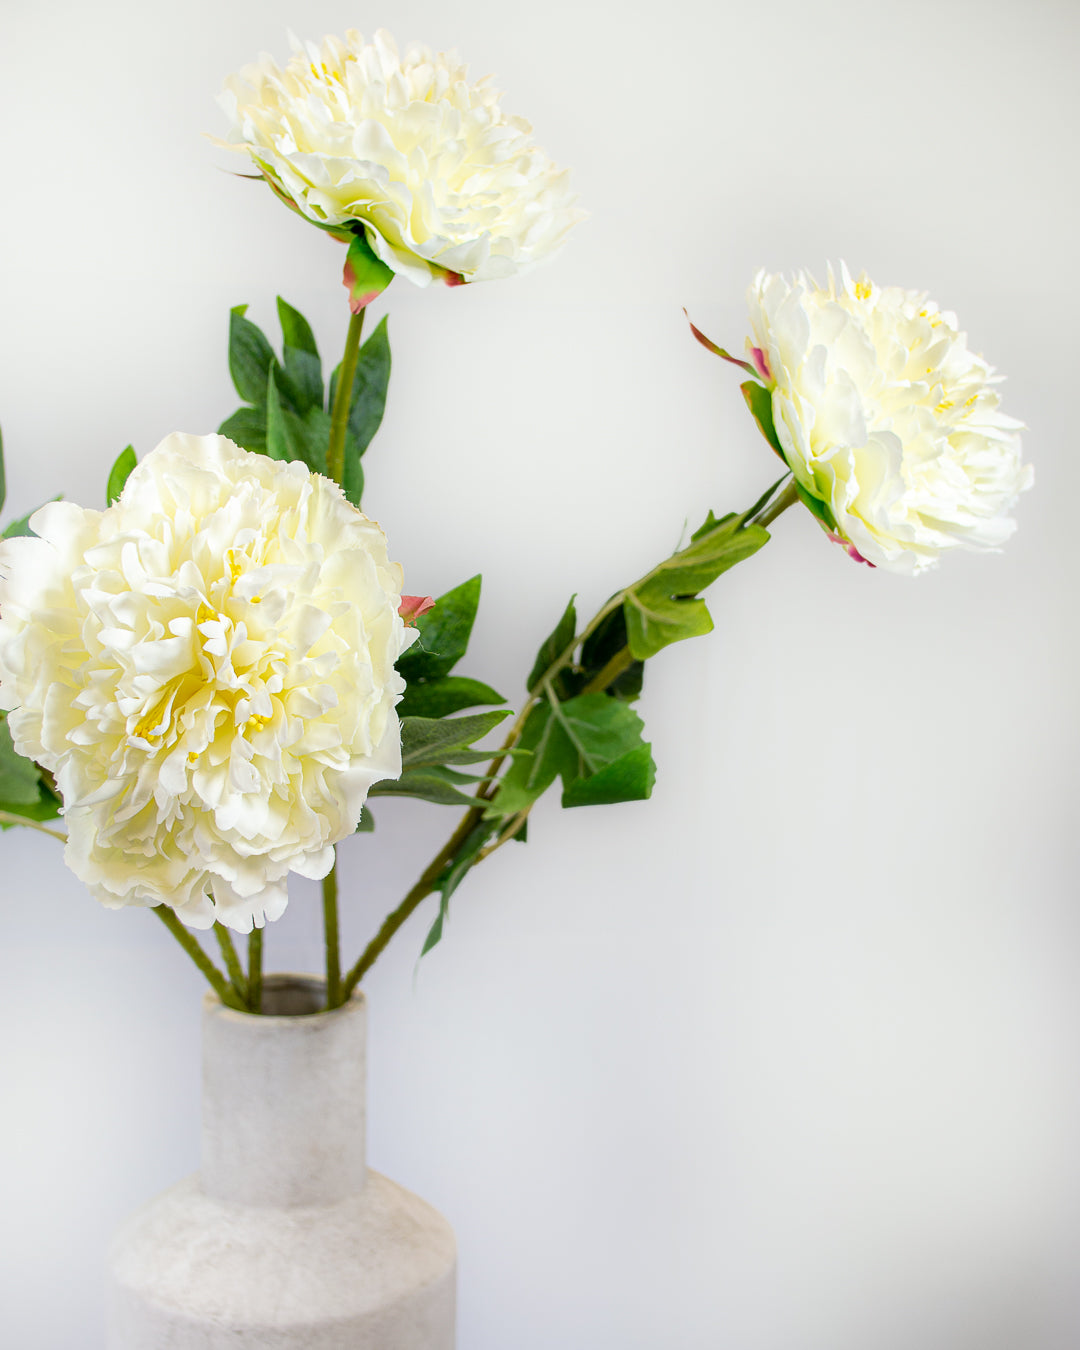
(412, 606)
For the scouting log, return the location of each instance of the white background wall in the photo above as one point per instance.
(787, 1058)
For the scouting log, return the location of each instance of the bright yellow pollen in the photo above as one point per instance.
(256, 600)
(944, 406)
(863, 290)
(257, 723)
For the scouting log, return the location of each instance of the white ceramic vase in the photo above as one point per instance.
(285, 1239)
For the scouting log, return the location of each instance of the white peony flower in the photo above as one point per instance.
(446, 185)
(886, 418)
(207, 667)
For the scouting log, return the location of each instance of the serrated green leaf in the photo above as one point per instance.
(430, 740)
(444, 634)
(251, 358)
(759, 401)
(553, 645)
(119, 474)
(664, 607)
(440, 698)
(247, 427)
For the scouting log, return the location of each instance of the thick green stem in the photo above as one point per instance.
(787, 497)
(254, 977)
(334, 997)
(190, 944)
(339, 414)
(232, 961)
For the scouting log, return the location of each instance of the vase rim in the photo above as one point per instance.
(283, 981)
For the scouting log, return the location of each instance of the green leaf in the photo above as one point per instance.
(120, 473)
(607, 761)
(3, 474)
(368, 404)
(303, 369)
(446, 740)
(429, 783)
(440, 698)
(664, 606)
(289, 437)
(600, 647)
(20, 778)
(626, 779)
(554, 645)
(444, 634)
(251, 357)
(247, 427)
(532, 773)
(453, 876)
(366, 275)
(366, 823)
(759, 401)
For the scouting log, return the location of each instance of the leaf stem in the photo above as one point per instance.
(10, 818)
(190, 944)
(339, 415)
(232, 961)
(334, 997)
(255, 964)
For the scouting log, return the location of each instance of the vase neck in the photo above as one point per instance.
(283, 1099)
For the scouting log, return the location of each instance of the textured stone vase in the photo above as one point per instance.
(285, 1239)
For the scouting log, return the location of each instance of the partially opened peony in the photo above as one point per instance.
(207, 667)
(445, 185)
(891, 426)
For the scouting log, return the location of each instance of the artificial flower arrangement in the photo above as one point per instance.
(212, 679)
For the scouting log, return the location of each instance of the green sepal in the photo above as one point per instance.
(119, 474)
(440, 698)
(553, 645)
(250, 357)
(816, 506)
(366, 275)
(444, 634)
(759, 401)
(665, 607)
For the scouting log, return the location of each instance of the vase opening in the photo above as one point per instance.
(293, 996)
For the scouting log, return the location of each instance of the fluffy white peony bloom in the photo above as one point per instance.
(208, 669)
(886, 418)
(447, 186)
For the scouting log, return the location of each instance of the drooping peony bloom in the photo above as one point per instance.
(886, 418)
(208, 669)
(445, 184)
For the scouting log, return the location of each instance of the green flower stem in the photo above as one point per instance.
(232, 961)
(339, 415)
(621, 661)
(10, 818)
(190, 944)
(334, 997)
(780, 503)
(254, 979)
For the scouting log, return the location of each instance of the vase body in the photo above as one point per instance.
(284, 1239)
